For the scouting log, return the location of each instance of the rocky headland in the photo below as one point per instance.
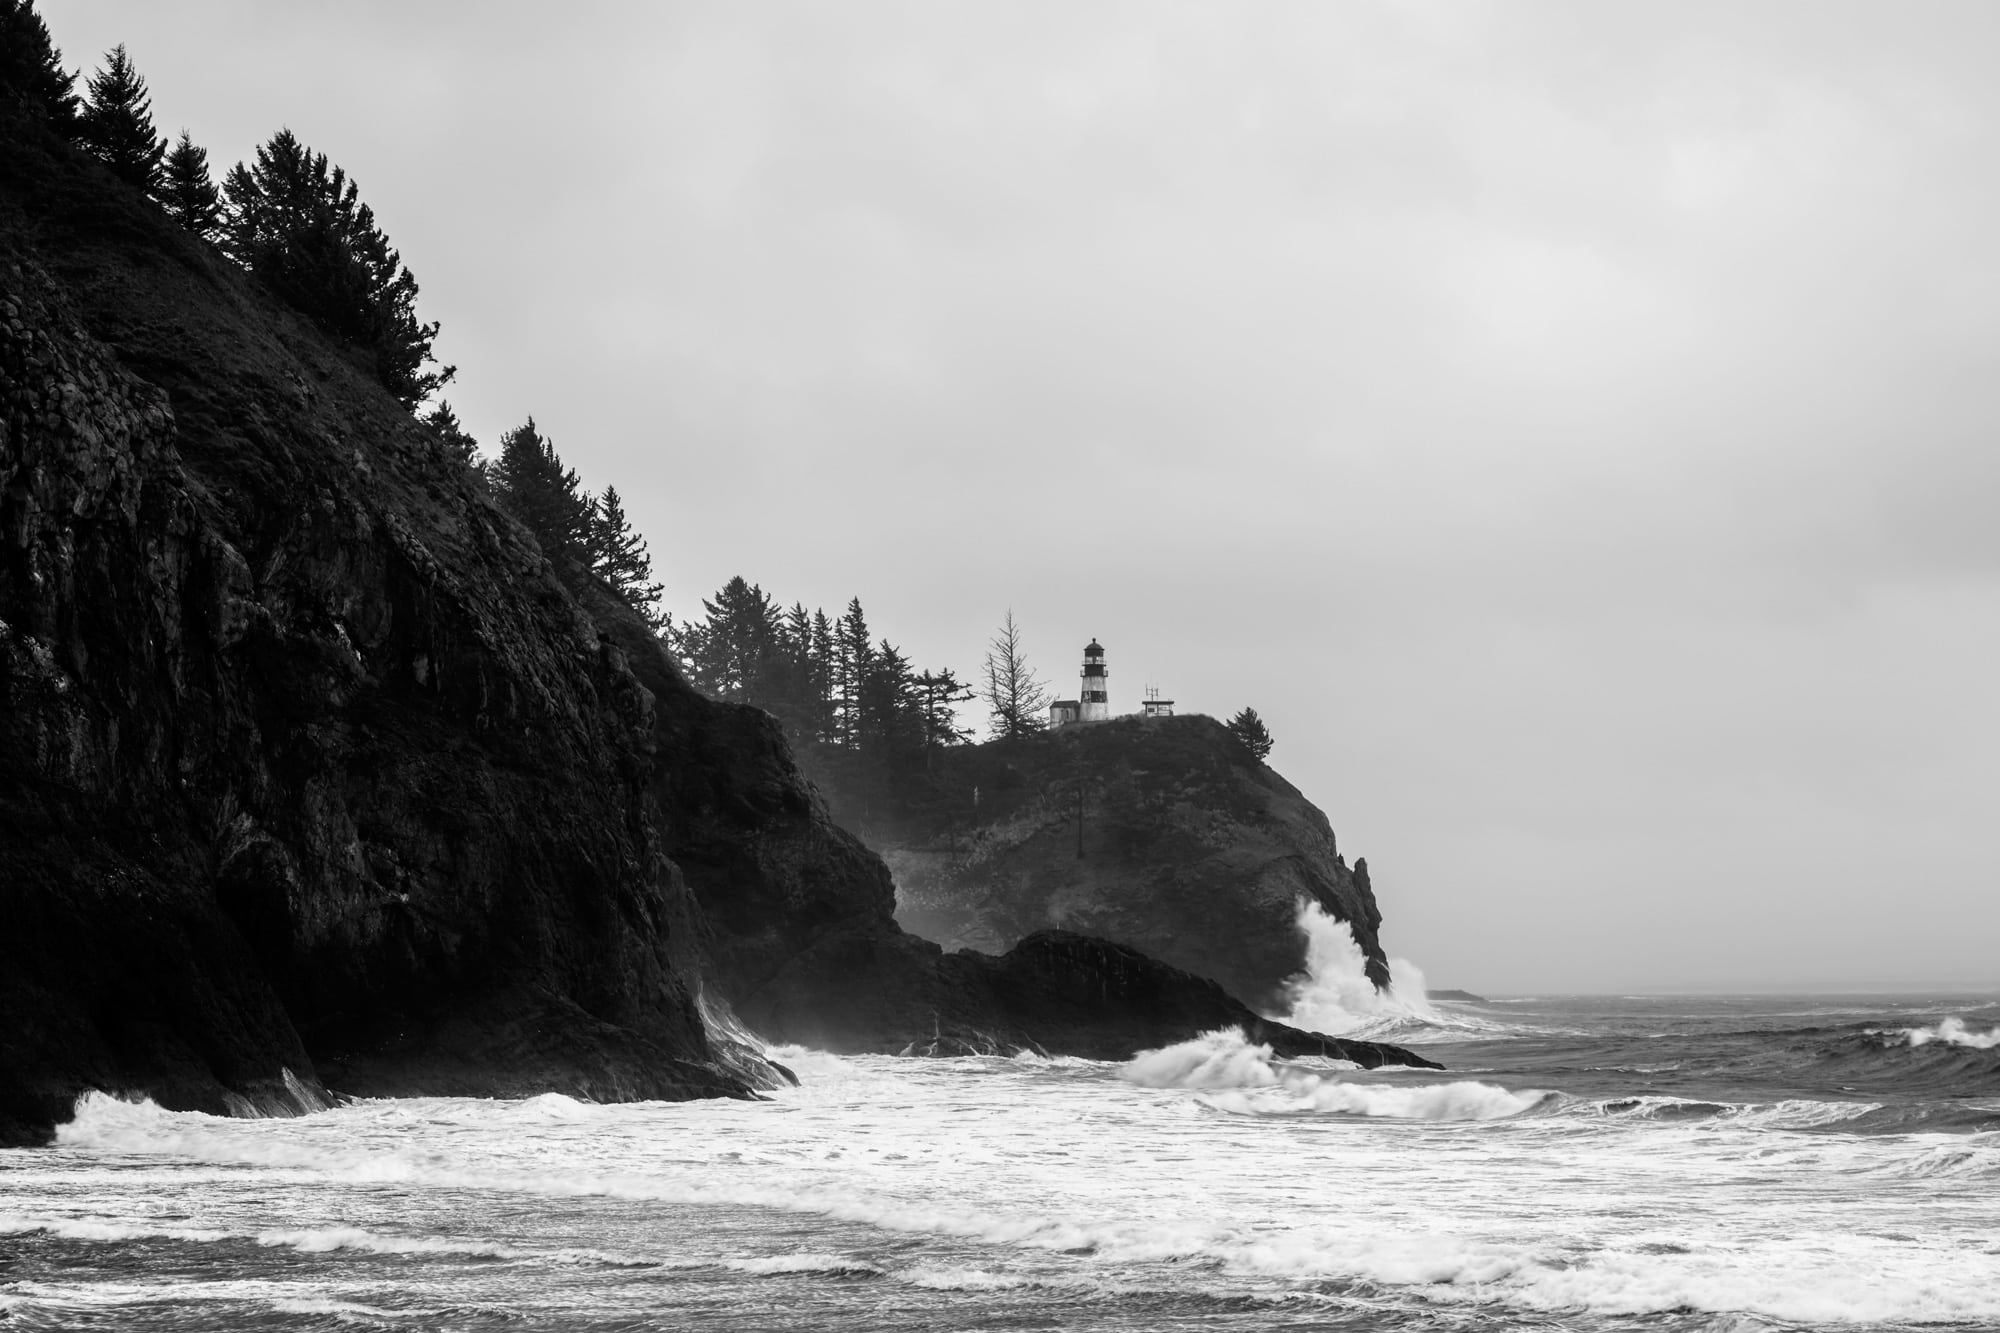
(317, 777)
(1166, 835)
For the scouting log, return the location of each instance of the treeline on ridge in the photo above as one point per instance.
(296, 222)
(865, 723)
(291, 217)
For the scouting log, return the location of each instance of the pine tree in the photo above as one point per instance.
(889, 711)
(298, 223)
(618, 555)
(731, 652)
(535, 487)
(853, 658)
(445, 425)
(116, 123)
(826, 670)
(941, 692)
(186, 191)
(31, 72)
(1248, 728)
(1015, 697)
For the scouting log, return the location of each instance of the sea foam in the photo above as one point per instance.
(1953, 1032)
(1235, 1075)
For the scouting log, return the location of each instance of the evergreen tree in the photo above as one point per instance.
(825, 666)
(1015, 697)
(31, 72)
(535, 487)
(116, 123)
(297, 222)
(940, 693)
(853, 658)
(618, 555)
(445, 425)
(1248, 728)
(730, 654)
(889, 714)
(795, 684)
(186, 191)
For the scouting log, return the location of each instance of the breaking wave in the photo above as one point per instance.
(1334, 995)
(1234, 1075)
(1954, 1032)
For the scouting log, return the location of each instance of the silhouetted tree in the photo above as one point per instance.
(853, 658)
(618, 555)
(187, 192)
(116, 123)
(31, 72)
(896, 722)
(1248, 728)
(940, 693)
(1015, 697)
(730, 653)
(533, 485)
(445, 425)
(297, 222)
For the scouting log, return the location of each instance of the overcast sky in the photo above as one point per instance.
(1572, 426)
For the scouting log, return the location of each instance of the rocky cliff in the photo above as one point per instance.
(1165, 835)
(308, 762)
(315, 775)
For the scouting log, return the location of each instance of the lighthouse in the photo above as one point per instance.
(1095, 698)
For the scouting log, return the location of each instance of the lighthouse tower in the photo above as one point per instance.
(1095, 699)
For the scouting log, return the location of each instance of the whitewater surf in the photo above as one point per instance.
(1667, 1163)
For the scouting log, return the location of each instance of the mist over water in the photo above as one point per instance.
(1587, 1164)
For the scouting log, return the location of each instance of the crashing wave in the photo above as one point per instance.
(1953, 1032)
(1334, 994)
(1232, 1074)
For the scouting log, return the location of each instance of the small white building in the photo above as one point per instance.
(1154, 705)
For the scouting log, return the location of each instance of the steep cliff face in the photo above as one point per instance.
(307, 761)
(1190, 850)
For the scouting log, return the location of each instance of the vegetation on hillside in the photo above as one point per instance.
(865, 723)
(291, 217)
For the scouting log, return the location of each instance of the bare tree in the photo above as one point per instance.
(1014, 696)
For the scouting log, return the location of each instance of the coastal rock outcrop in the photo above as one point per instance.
(1163, 834)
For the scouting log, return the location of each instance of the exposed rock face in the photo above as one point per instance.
(307, 761)
(313, 775)
(1193, 852)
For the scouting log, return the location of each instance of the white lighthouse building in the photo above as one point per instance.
(1095, 694)
(1093, 701)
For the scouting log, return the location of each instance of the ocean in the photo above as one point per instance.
(1586, 1163)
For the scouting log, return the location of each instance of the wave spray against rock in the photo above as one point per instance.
(1334, 995)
